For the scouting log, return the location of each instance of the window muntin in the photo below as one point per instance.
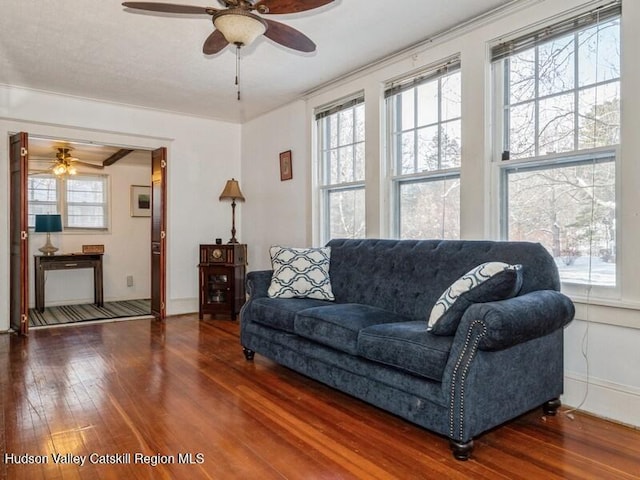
(425, 141)
(341, 135)
(561, 127)
(82, 200)
(564, 95)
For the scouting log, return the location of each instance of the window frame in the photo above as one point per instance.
(397, 179)
(46, 203)
(324, 185)
(583, 157)
(503, 165)
(62, 203)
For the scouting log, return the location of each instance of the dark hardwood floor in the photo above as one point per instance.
(162, 390)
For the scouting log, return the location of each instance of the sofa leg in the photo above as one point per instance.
(248, 354)
(551, 407)
(461, 450)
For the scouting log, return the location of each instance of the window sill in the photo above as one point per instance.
(607, 311)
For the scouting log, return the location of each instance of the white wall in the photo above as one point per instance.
(202, 155)
(126, 248)
(610, 331)
(275, 212)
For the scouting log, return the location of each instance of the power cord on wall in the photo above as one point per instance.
(585, 336)
(585, 355)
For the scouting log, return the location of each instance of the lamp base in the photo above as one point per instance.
(48, 248)
(233, 222)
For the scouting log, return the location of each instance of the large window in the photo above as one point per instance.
(559, 108)
(342, 167)
(81, 199)
(424, 123)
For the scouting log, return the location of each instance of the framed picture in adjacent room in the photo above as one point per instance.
(140, 201)
(286, 173)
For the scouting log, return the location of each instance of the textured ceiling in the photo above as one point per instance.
(42, 154)
(100, 50)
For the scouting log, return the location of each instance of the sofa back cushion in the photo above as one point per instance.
(408, 276)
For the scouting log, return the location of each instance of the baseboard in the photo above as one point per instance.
(181, 306)
(609, 400)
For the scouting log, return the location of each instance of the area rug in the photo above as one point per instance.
(80, 313)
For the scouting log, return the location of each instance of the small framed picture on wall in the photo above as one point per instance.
(286, 172)
(140, 201)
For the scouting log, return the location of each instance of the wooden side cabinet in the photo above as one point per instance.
(222, 270)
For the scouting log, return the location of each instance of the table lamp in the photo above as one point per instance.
(232, 192)
(48, 223)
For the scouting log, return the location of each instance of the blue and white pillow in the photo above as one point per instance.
(487, 282)
(300, 273)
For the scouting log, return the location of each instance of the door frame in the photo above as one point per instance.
(93, 137)
(18, 233)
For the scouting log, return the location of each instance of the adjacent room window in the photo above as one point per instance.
(42, 196)
(559, 114)
(342, 166)
(82, 200)
(424, 124)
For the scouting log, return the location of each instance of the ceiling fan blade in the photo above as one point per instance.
(87, 164)
(214, 43)
(169, 8)
(288, 36)
(290, 6)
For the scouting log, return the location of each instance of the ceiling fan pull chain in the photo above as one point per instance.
(238, 69)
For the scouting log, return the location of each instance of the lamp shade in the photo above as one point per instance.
(48, 223)
(232, 191)
(238, 26)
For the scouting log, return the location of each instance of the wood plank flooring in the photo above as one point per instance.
(158, 391)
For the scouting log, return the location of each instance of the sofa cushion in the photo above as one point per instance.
(337, 325)
(280, 312)
(300, 273)
(407, 346)
(487, 282)
(408, 276)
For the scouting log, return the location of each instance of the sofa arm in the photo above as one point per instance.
(258, 282)
(520, 319)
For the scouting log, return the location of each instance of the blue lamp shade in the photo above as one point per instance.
(48, 223)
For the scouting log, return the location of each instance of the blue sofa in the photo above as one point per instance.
(504, 359)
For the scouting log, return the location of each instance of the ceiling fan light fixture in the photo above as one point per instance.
(60, 169)
(239, 27)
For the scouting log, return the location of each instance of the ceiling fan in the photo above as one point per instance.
(65, 163)
(239, 25)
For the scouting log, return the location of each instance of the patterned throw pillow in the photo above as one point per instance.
(488, 282)
(300, 273)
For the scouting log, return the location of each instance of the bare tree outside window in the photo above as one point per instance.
(426, 141)
(561, 121)
(342, 165)
(42, 195)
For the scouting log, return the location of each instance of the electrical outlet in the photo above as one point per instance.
(129, 280)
